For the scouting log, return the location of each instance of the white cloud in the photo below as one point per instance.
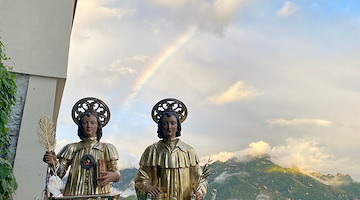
(236, 92)
(174, 4)
(287, 9)
(298, 122)
(336, 180)
(126, 159)
(258, 148)
(92, 12)
(223, 13)
(60, 144)
(120, 65)
(304, 153)
(222, 157)
(93, 24)
(262, 197)
(223, 176)
(66, 120)
(140, 58)
(210, 16)
(123, 70)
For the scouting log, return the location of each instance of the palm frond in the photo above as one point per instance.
(47, 134)
(206, 171)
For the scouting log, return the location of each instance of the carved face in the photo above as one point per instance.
(169, 127)
(89, 126)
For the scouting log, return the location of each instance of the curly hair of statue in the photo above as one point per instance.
(169, 105)
(91, 104)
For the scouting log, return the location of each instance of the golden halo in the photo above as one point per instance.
(89, 104)
(169, 105)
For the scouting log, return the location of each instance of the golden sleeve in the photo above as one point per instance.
(111, 157)
(143, 181)
(65, 157)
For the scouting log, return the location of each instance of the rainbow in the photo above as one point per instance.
(152, 68)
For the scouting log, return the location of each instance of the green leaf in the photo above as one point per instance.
(7, 98)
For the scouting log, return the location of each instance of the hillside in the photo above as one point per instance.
(259, 178)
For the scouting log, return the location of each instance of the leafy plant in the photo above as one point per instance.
(7, 98)
(8, 183)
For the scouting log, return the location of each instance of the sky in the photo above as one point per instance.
(276, 77)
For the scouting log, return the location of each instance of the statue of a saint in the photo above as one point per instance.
(169, 169)
(93, 164)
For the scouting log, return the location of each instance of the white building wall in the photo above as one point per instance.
(36, 35)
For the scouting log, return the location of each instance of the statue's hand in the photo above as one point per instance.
(108, 177)
(154, 191)
(199, 196)
(50, 158)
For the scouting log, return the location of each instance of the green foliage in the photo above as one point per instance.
(7, 99)
(7, 179)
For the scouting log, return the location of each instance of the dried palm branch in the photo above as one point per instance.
(205, 173)
(47, 134)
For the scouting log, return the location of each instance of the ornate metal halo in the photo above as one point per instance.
(91, 104)
(169, 105)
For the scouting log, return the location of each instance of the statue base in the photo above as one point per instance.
(110, 196)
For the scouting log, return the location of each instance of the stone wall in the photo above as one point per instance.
(14, 123)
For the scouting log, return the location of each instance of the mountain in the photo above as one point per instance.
(126, 183)
(258, 178)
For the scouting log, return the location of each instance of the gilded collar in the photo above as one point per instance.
(172, 144)
(90, 139)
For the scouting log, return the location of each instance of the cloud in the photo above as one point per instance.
(262, 197)
(223, 176)
(223, 13)
(236, 92)
(298, 122)
(60, 144)
(255, 149)
(175, 4)
(120, 65)
(258, 148)
(287, 9)
(338, 179)
(66, 120)
(88, 25)
(126, 159)
(89, 19)
(211, 16)
(139, 58)
(304, 153)
(123, 70)
(222, 157)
